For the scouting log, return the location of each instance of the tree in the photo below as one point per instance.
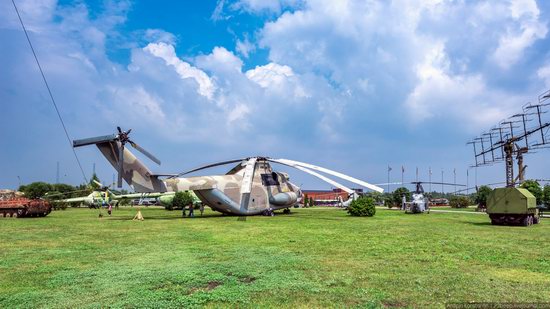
(305, 200)
(36, 189)
(535, 189)
(482, 195)
(397, 197)
(311, 202)
(362, 207)
(459, 202)
(546, 195)
(181, 199)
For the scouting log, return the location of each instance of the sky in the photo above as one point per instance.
(354, 86)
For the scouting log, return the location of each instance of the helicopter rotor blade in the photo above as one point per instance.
(209, 166)
(331, 172)
(326, 179)
(120, 164)
(145, 152)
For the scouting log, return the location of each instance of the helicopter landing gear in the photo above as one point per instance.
(286, 211)
(268, 212)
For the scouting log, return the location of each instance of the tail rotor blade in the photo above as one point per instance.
(145, 152)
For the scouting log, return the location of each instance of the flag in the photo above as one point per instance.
(402, 169)
(389, 168)
(430, 171)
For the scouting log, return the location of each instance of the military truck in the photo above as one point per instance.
(512, 206)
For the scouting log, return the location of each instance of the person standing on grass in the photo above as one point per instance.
(191, 214)
(201, 208)
(183, 211)
(110, 209)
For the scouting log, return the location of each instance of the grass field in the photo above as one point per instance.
(312, 258)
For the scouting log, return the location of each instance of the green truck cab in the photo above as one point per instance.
(512, 206)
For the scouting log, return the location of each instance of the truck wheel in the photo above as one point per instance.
(536, 220)
(525, 221)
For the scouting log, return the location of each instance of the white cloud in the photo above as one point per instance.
(261, 6)
(184, 69)
(521, 34)
(441, 95)
(159, 36)
(244, 47)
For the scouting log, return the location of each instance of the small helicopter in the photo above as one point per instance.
(251, 187)
(419, 202)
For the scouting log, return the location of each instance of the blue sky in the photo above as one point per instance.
(350, 85)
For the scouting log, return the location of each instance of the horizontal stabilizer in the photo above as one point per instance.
(94, 140)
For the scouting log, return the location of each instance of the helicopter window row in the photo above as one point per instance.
(270, 179)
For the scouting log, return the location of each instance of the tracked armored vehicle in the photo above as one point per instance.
(22, 207)
(512, 206)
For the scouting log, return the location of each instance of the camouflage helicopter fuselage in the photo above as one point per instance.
(269, 190)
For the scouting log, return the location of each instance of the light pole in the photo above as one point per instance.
(430, 178)
(442, 181)
(454, 178)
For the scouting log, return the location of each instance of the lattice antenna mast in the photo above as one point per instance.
(514, 137)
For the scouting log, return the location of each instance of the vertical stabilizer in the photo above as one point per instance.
(134, 172)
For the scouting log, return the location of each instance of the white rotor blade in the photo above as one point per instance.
(332, 182)
(246, 186)
(331, 172)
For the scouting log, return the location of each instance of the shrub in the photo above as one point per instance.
(481, 196)
(546, 196)
(459, 202)
(362, 207)
(534, 187)
(181, 200)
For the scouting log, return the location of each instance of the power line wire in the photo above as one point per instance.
(50, 92)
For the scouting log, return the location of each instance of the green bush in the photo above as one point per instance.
(362, 207)
(181, 200)
(481, 196)
(546, 196)
(459, 202)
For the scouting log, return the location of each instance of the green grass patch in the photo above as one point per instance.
(314, 257)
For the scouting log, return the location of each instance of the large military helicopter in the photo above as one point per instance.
(251, 187)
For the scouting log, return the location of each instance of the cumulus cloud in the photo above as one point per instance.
(184, 69)
(527, 28)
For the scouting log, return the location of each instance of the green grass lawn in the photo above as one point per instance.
(312, 258)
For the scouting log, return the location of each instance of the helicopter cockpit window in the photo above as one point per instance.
(270, 179)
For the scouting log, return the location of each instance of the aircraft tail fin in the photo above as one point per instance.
(134, 172)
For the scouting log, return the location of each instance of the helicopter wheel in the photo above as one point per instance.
(286, 211)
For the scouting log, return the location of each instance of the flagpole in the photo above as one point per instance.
(389, 169)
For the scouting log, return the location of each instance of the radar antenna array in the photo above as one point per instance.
(513, 137)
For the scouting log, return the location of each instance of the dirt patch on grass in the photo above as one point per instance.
(247, 279)
(212, 285)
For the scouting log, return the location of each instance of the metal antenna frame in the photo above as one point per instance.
(506, 136)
